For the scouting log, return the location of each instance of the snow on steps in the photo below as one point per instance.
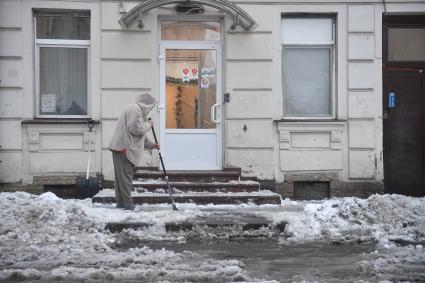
(199, 187)
(191, 176)
(259, 198)
(230, 187)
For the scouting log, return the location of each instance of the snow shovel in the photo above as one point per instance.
(87, 187)
(165, 172)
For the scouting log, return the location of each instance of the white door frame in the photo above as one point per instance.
(219, 98)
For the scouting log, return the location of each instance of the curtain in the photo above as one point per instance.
(63, 81)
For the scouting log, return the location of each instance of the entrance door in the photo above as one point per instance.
(403, 104)
(190, 106)
(404, 131)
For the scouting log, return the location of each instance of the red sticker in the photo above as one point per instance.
(185, 71)
(194, 71)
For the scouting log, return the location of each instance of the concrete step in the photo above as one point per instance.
(217, 226)
(191, 176)
(259, 198)
(180, 187)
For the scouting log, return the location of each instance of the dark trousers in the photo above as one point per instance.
(124, 173)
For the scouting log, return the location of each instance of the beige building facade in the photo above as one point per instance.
(295, 94)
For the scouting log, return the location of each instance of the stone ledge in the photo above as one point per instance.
(361, 189)
(185, 226)
(18, 187)
(338, 189)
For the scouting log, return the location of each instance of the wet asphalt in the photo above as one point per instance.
(270, 259)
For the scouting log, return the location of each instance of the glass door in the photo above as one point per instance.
(190, 108)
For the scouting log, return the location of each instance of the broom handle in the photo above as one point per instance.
(159, 152)
(170, 191)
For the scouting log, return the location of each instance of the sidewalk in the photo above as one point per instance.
(242, 220)
(194, 220)
(49, 239)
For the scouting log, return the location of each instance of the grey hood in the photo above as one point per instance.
(146, 102)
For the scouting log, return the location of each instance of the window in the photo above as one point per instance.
(406, 44)
(307, 66)
(62, 50)
(186, 30)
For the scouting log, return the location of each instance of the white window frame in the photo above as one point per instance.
(313, 44)
(58, 43)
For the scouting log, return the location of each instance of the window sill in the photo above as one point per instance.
(59, 121)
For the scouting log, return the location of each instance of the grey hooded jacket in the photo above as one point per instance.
(130, 133)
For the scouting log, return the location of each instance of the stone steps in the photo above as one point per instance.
(191, 176)
(180, 187)
(199, 187)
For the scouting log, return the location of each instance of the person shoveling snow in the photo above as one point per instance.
(127, 144)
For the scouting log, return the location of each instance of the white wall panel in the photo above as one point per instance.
(361, 18)
(10, 14)
(63, 162)
(249, 75)
(62, 141)
(361, 104)
(361, 46)
(360, 75)
(11, 101)
(108, 128)
(361, 134)
(120, 45)
(311, 140)
(11, 43)
(127, 74)
(10, 167)
(249, 105)
(362, 164)
(304, 160)
(10, 135)
(11, 73)
(257, 134)
(249, 46)
(252, 162)
(114, 102)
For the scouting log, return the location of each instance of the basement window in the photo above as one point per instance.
(311, 190)
(62, 44)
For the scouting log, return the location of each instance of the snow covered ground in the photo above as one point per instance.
(48, 239)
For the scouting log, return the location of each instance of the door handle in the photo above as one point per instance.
(214, 113)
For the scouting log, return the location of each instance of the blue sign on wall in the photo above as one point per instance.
(391, 100)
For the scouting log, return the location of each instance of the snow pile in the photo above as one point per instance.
(379, 218)
(395, 264)
(46, 238)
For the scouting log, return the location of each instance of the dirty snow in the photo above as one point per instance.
(46, 238)
(49, 239)
(379, 218)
